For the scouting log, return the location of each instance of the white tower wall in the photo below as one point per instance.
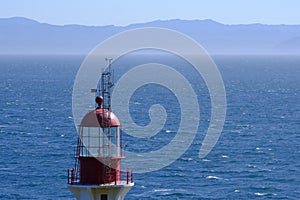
(102, 192)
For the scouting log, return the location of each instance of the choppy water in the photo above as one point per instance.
(257, 155)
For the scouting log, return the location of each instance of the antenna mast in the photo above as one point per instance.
(106, 85)
(105, 90)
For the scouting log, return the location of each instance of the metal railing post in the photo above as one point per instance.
(68, 176)
(116, 176)
(127, 176)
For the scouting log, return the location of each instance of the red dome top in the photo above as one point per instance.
(94, 118)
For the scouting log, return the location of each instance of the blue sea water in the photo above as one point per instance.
(257, 155)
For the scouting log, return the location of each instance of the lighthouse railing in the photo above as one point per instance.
(73, 177)
(125, 177)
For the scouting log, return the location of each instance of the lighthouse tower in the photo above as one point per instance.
(97, 174)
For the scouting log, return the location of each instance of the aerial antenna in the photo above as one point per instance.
(110, 80)
(105, 91)
(106, 80)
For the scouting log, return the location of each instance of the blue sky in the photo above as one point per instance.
(124, 12)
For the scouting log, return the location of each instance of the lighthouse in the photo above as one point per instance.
(97, 173)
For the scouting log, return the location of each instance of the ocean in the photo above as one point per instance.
(256, 156)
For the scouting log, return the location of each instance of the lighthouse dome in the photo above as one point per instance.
(100, 117)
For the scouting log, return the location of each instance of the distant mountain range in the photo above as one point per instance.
(24, 36)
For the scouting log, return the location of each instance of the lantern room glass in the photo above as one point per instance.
(100, 142)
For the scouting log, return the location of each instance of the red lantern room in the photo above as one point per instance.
(99, 151)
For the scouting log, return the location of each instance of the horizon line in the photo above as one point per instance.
(138, 23)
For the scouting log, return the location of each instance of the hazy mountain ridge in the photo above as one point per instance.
(24, 36)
